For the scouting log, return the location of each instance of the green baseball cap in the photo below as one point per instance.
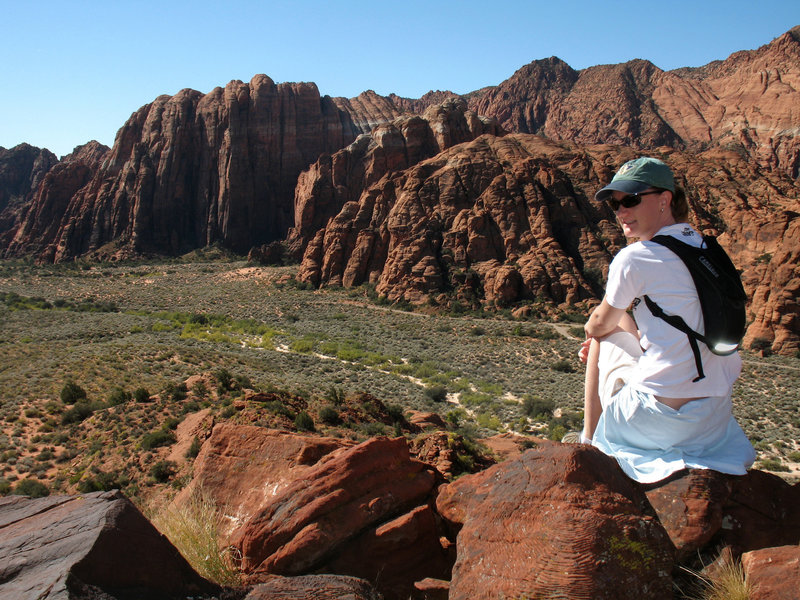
(638, 175)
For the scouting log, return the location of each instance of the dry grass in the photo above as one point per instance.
(193, 530)
(725, 582)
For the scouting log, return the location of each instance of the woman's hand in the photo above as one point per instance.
(583, 353)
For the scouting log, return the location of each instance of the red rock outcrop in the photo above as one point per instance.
(470, 209)
(53, 195)
(316, 587)
(747, 101)
(513, 218)
(245, 468)
(191, 169)
(332, 181)
(364, 511)
(560, 520)
(773, 573)
(22, 169)
(691, 508)
(84, 547)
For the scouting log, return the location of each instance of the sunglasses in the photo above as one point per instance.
(630, 200)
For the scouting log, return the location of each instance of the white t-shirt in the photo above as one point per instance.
(667, 366)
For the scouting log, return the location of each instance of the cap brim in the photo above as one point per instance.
(626, 186)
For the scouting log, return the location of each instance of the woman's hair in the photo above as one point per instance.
(679, 206)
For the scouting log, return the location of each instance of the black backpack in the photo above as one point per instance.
(722, 297)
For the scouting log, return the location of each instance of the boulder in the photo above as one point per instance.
(426, 420)
(762, 510)
(431, 589)
(76, 547)
(449, 453)
(318, 587)
(690, 507)
(703, 511)
(364, 511)
(562, 520)
(243, 468)
(773, 573)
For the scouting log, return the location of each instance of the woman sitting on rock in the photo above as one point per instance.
(643, 402)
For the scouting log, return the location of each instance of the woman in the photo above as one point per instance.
(642, 403)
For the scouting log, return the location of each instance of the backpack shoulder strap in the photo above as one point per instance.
(678, 323)
(684, 251)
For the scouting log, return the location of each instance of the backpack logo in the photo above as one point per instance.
(707, 264)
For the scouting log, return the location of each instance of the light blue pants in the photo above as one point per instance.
(651, 440)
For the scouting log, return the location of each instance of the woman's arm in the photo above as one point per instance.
(603, 320)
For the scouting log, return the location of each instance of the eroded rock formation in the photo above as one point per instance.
(191, 169)
(747, 101)
(334, 180)
(364, 511)
(514, 218)
(22, 169)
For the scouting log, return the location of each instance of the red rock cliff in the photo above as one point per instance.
(499, 220)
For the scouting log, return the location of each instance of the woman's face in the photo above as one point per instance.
(645, 219)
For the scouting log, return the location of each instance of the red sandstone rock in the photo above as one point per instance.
(690, 508)
(22, 170)
(704, 511)
(82, 547)
(316, 587)
(192, 169)
(510, 445)
(748, 100)
(513, 218)
(448, 453)
(762, 510)
(431, 589)
(425, 420)
(562, 519)
(335, 180)
(245, 468)
(773, 573)
(352, 513)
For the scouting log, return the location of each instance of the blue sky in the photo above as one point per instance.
(73, 71)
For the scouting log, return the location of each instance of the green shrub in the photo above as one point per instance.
(5, 487)
(72, 393)
(119, 396)
(32, 488)
(80, 412)
(304, 422)
(534, 406)
(155, 439)
(194, 448)
(564, 366)
(224, 379)
(176, 392)
(329, 415)
(303, 346)
(773, 464)
(374, 429)
(395, 412)
(163, 470)
(335, 395)
(103, 481)
(437, 393)
(556, 431)
(141, 395)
